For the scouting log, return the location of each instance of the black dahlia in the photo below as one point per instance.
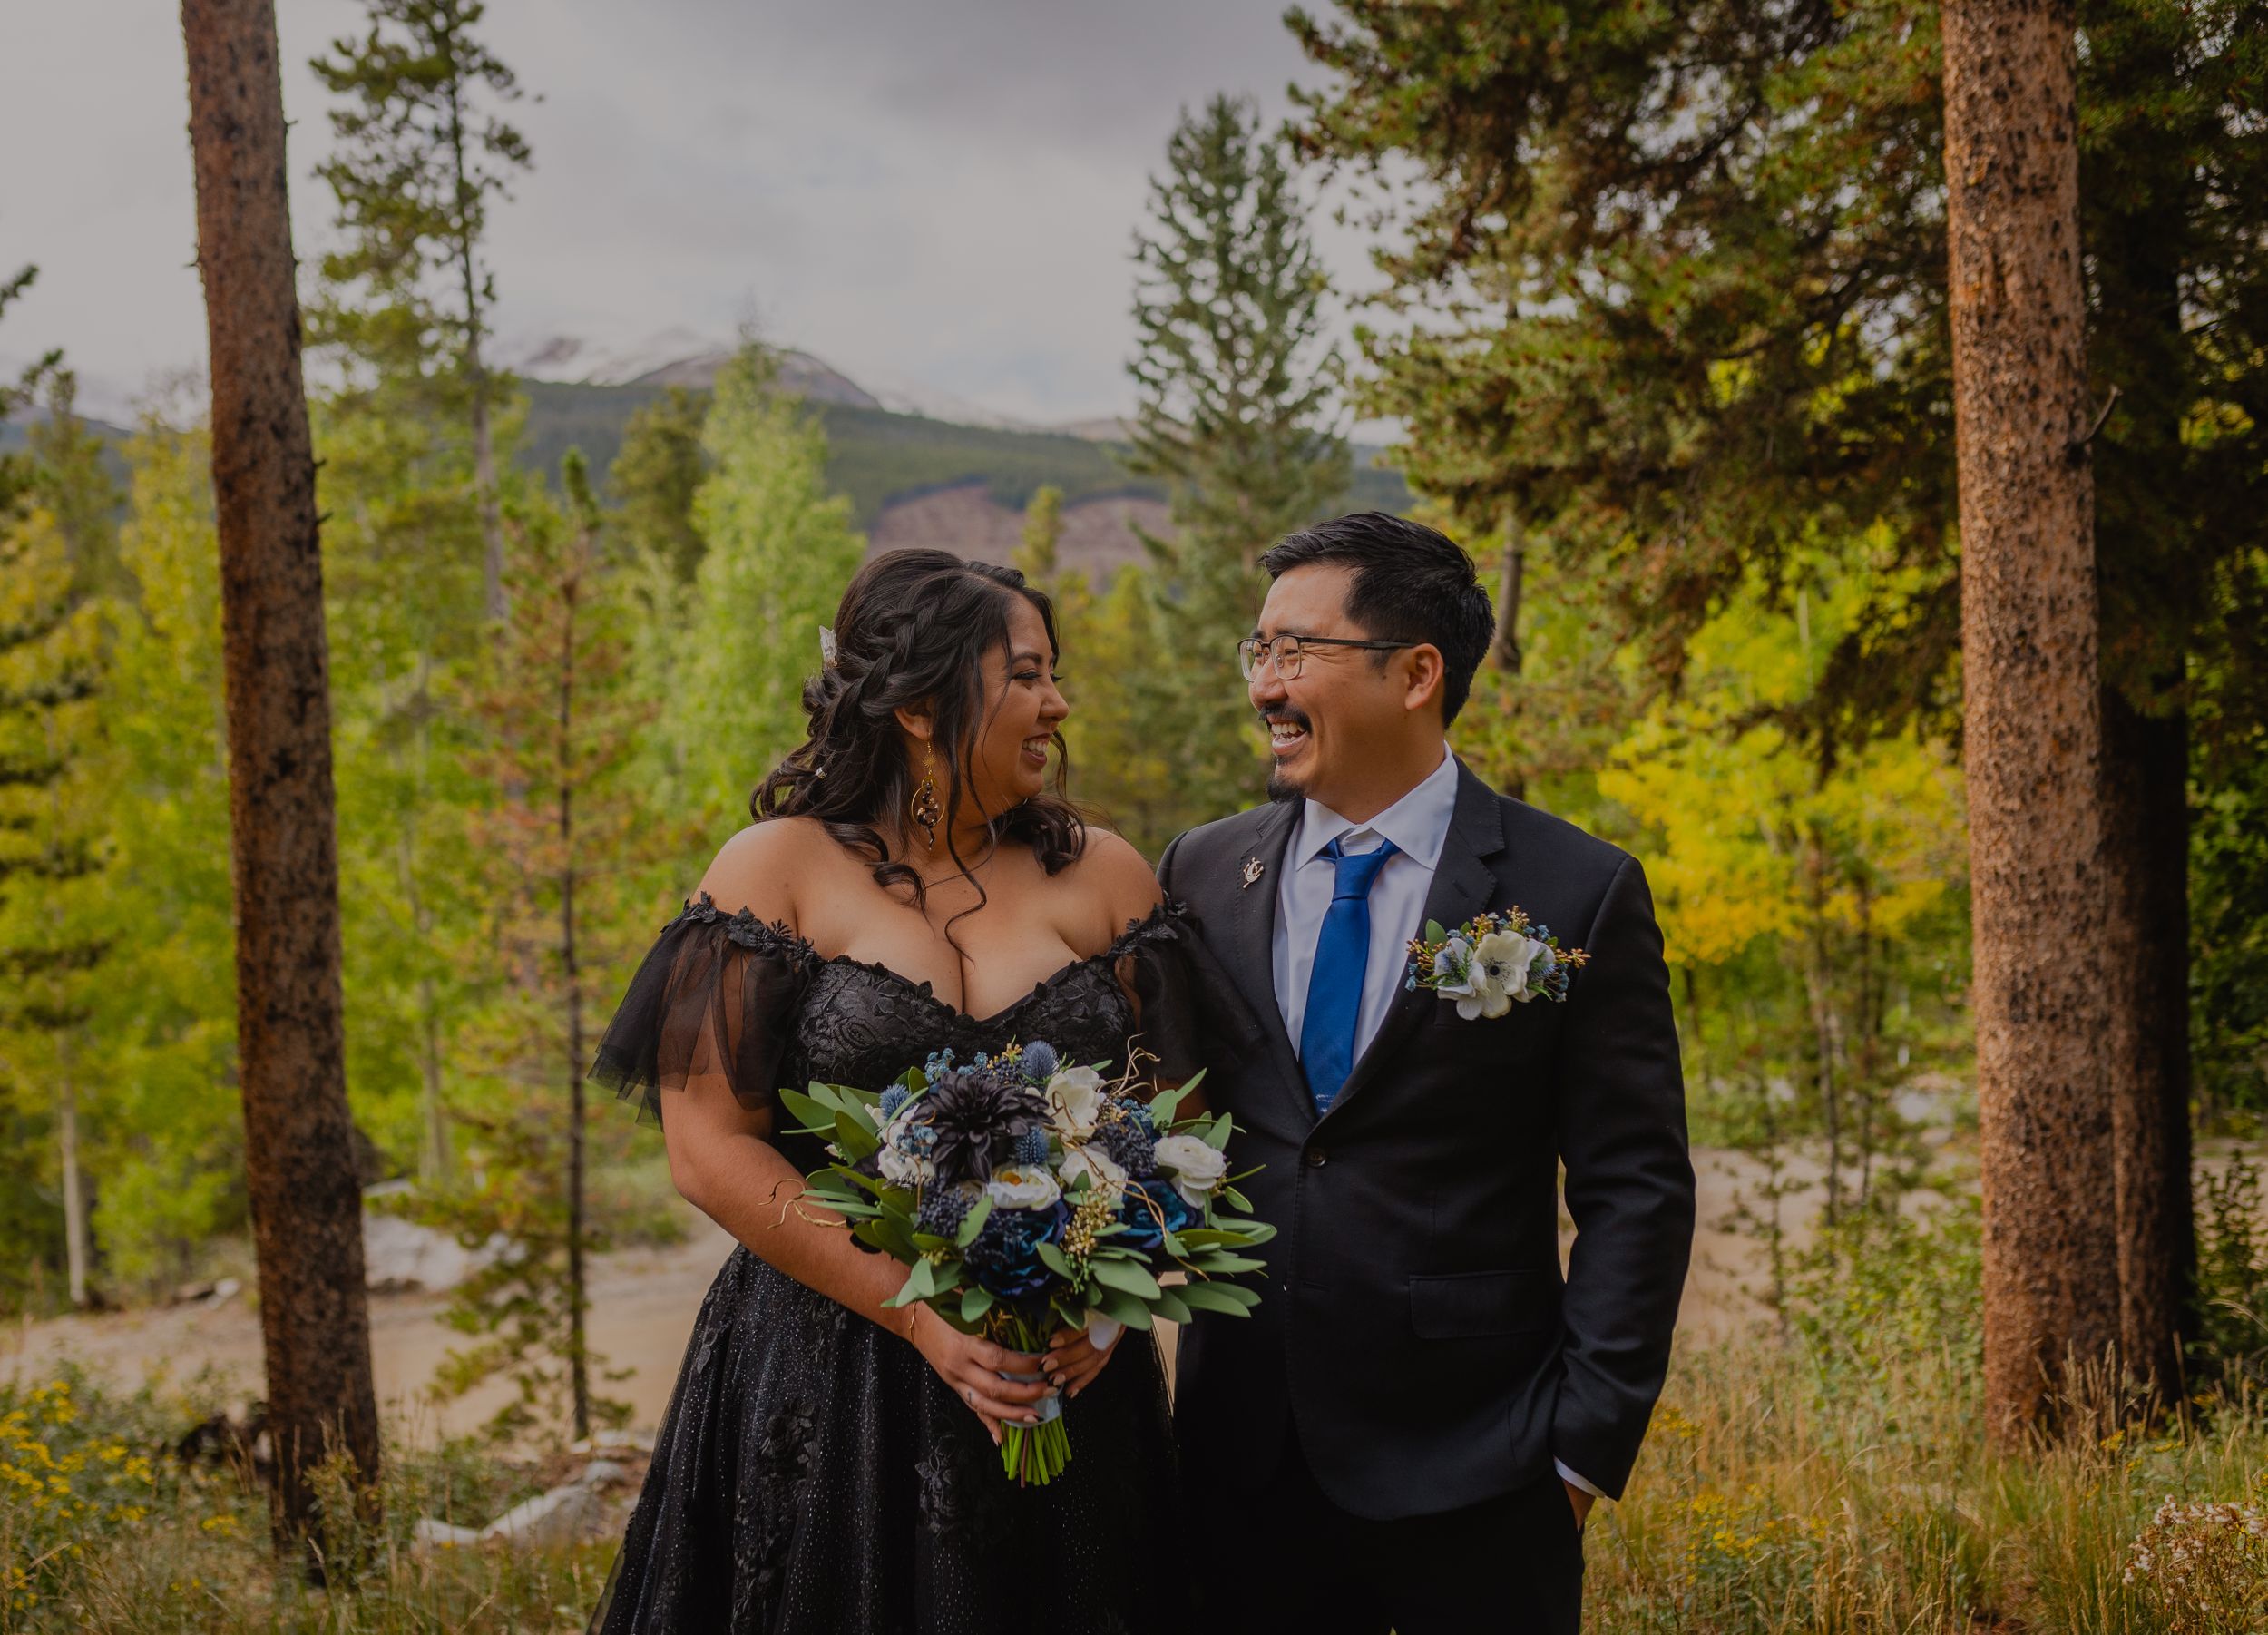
(978, 1118)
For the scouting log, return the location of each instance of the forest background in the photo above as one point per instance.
(1677, 379)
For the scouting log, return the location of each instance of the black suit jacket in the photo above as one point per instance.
(1414, 1323)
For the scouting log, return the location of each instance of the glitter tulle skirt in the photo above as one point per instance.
(814, 1476)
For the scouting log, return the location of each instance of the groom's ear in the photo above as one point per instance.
(1424, 675)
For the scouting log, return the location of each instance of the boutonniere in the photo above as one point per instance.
(1492, 962)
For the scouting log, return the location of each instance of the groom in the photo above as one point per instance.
(1409, 1431)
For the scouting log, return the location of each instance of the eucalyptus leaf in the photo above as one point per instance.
(973, 1222)
(1212, 1296)
(1125, 1274)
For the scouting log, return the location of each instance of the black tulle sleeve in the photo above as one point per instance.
(715, 995)
(1165, 964)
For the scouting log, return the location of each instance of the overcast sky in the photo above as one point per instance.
(937, 194)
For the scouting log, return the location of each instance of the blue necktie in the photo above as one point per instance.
(1335, 983)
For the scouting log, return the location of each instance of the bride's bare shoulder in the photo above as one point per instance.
(1118, 876)
(758, 868)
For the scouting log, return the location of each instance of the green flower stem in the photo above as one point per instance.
(1033, 1454)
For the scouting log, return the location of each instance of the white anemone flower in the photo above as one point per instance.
(1501, 964)
(1102, 1170)
(1075, 1097)
(1021, 1187)
(903, 1169)
(1452, 969)
(1198, 1169)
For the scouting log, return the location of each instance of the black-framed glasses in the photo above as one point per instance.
(1287, 656)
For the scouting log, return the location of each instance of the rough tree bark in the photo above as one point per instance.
(299, 1166)
(2032, 720)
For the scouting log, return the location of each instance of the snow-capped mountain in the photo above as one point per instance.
(679, 355)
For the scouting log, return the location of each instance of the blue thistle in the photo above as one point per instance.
(1126, 1146)
(1039, 1061)
(894, 1098)
(942, 1211)
(1032, 1148)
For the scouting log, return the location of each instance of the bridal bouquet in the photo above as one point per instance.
(1027, 1195)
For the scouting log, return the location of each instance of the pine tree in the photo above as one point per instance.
(170, 1178)
(423, 151)
(53, 832)
(1236, 393)
(15, 468)
(299, 1146)
(779, 550)
(567, 816)
(79, 492)
(1671, 290)
(653, 479)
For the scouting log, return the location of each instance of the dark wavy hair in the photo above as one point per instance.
(913, 628)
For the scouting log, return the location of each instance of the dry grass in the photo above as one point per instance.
(1829, 1477)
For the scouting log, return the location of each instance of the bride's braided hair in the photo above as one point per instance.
(913, 628)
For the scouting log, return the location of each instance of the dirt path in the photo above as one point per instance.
(643, 1304)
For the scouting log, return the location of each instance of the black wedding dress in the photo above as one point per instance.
(812, 1475)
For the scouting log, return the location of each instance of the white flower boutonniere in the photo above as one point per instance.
(1493, 963)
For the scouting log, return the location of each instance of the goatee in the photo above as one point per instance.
(1282, 788)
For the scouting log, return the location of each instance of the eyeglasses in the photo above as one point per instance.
(1287, 655)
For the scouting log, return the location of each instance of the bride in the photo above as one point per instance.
(912, 885)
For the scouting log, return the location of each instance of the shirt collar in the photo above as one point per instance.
(1418, 823)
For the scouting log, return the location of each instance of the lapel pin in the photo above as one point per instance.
(1252, 870)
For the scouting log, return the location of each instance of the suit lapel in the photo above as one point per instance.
(1253, 923)
(1464, 885)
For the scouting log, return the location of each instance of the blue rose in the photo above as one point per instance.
(1149, 1211)
(1005, 1257)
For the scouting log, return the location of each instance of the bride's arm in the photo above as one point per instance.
(724, 1166)
(722, 1161)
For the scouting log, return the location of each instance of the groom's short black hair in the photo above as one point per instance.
(1410, 584)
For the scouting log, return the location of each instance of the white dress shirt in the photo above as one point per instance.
(1418, 825)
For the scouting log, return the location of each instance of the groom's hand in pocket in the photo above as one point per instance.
(1073, 1359)
(1580, 1500)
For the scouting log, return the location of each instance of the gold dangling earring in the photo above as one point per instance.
(927, 811)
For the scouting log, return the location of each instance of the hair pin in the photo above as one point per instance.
(827, 647)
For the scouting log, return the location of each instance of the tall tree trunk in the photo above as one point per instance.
(495, 601)
(74, 1234)
(2032, 721)
(1507, 648)
(2140, 211)
(2146, 778)
(1819, 995)
(299, 1145)
(578, 1361)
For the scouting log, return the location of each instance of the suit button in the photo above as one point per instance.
(1316, 1157)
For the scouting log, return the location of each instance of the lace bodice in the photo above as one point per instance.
(730, 993)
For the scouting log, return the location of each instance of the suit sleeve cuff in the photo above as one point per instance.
(1568, 1475)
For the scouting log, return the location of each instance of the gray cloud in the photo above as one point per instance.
(939, 193)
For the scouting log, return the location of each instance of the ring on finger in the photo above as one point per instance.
(969, 1392)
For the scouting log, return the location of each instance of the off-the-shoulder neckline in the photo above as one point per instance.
(745, 927)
